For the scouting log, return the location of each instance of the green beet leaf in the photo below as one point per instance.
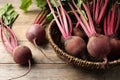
(25, 4)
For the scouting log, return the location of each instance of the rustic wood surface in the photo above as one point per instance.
(43, 69)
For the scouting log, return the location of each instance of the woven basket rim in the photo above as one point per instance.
(69, 56)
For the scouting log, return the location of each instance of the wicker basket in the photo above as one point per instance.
(54, 37)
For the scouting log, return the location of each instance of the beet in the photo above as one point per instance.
(22, 54)
(111, 25)
(99, 46)
(36, 34)
(115, 49)
(75, 46)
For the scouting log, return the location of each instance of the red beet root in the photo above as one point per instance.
(99, 46)
(75, 46)
(22, 54)
(36, 34)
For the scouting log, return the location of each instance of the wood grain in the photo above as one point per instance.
(43, 69)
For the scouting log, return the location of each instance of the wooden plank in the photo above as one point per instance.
(50, 72)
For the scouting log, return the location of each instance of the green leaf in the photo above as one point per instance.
(80, 2)
(50, 16)
(5, 8)
(41, 3)
(8, 14)
(25, 4)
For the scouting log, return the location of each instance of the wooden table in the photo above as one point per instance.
(43, 69)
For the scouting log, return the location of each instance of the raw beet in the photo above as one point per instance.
(22, 54)
(115, 49)
(75, 46)
(99, 46)
(36, 34)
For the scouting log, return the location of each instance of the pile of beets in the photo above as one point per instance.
(98, 20)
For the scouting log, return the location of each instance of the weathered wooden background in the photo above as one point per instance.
(43, 69)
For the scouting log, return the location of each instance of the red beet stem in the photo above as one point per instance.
(86, 25)
(59, 15)
(112, 21)
(118, 21)
(80, 21)
(99, 7)
(8, 41)
(63, 20)
(84, 21)
(77, 24)
(56, 19)
(69, 23)
(40, 17)
(90, 19)
(13, 38)
(102, 12)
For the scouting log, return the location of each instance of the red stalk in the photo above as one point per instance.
(109, 20)
(40, 17)
(63, 20)
(99, 7)
(90, 19)
(13, 38)
(88, 25)
(102, 12)
(77, 24)
(82, 16)
(3, 42)
(112, 21)
(118, 21)
(7, 43)
(60, 15)
(70, 23)
(94, 1)
(79, 19)
(56, 19)
(6, 39)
